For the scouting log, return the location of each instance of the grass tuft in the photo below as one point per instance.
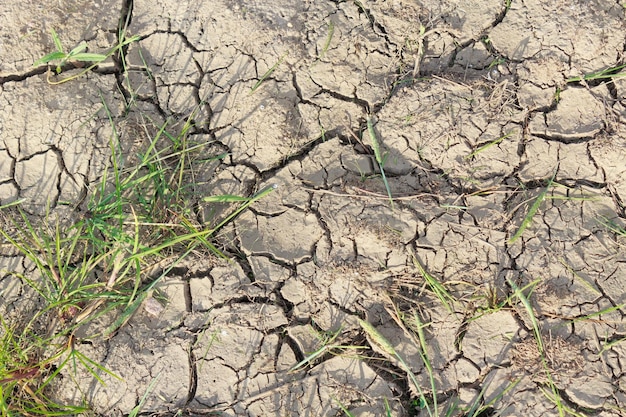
(101, 262)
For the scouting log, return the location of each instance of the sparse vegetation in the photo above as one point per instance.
(422, 310)
(135, 228)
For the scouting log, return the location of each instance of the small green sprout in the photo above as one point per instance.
(75, 55)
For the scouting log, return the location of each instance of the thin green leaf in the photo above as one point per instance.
(612, 72)
(531, 314)
(53, 56)
(126, 314)
(586, 283)
(612, 226)
(77, 50)
(92, 365)
(210, 246)
(419, 327)
(487, 146)
(57, 41)
(11, 204)
(329, 38)
(387, 408)
(88, 57)
(533, 210)
(225, 198)
(378, 156)
(265, 191)
(436, 287)
(135, 411)
(539, 340)
(343, 408)
(268, 73)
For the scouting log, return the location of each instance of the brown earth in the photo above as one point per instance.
(475, 114)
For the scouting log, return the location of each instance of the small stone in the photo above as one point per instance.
(153, 307)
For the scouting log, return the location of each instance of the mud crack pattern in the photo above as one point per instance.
(477, 105)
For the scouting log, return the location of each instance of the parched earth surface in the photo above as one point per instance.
(477, 104)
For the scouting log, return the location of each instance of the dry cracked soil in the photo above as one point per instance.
(488, 114)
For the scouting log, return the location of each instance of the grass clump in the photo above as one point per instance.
(101, 262)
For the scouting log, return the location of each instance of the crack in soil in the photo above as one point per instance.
(473, 114)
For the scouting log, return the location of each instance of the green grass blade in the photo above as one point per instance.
(343, 408)
(612, 226)
(582, 280)
(135, 411)
(532, 211)
(57, 41)
(268, 73)
(11, 204)
(310, 358)
(210, 246)
(77, 50)
(126, 314)
(419, 327)
(387, 408)
(329, 38)
(265, 191)
(378, 156)
(93, 366)
(225, 198)
(88, 57)
(556, 399)
(487, 146)
(612, 72)
(53, 56)
(435, 286)
(517, 292)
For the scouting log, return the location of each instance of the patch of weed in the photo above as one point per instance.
(137, 225)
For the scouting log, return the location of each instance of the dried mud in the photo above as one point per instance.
(475, 113)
